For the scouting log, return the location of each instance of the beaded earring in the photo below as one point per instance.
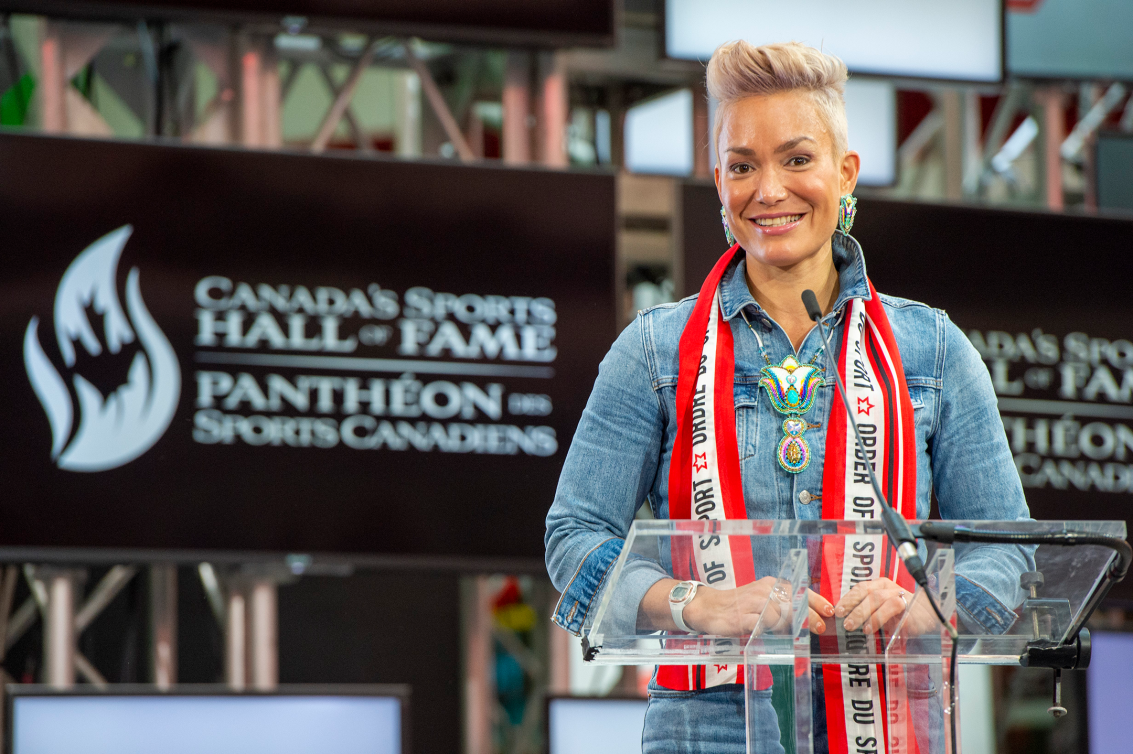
(727, 231)
(847, 208)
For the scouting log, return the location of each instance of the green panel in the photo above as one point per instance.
(307, 103)
(375, 100)
(783, 699)
(14, 102)
(208, 87)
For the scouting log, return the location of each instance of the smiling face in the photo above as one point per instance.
(779, 177)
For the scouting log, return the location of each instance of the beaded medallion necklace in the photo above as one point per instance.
(792, 388)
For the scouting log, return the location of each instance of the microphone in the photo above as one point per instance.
(896, 527)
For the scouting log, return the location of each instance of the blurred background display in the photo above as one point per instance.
(955, 40)
(1115, 166)
(583, 725)
(217, 723)
(1075, 39)
(871, 113)
(1109, 692)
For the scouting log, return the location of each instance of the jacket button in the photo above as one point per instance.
(806, 498)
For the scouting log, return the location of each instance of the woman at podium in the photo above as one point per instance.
(723, 406)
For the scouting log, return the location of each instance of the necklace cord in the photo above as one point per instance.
(759, 340)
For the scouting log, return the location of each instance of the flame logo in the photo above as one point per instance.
(115, 429)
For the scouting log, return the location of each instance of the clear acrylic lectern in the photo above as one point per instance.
(1000, 598)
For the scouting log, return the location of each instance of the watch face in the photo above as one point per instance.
(679, 592)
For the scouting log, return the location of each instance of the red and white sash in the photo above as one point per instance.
(857, 711)
(705, 483)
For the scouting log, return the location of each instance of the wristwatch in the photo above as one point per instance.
(679, 597)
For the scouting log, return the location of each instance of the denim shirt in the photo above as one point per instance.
(619, 457)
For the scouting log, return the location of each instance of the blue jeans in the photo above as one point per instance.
(707, 722)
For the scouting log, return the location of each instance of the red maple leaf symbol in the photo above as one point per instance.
(700, 461)
(868, 406)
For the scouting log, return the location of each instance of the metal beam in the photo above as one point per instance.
(66, 47)
(360, 142)
(408, 114)
(972, 149)
(53, 592)
(235, 641)
(213, 592)
(289, 80)
(517, 649)
(1005, 109)
(59, 626)
(479, 691)
(1053, 129)
(88, 671)
(952, 107)
(7, 592)
(920, 137)
(1127, 117)
(21, 620)
(553, 110)
(342, 100)
(1071, 148)
(263, 634)
(52, 84)
(102, 595)
(163, 624)
(1014, 146)
(437, 101)
(517, 109)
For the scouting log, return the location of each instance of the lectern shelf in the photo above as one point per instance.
(988, 591)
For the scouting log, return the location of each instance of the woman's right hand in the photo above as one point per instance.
(735, 612)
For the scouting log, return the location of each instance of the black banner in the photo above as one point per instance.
(1044, 297)
(250, 351)
(557, 23)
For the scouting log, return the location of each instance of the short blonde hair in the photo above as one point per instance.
(739, 69)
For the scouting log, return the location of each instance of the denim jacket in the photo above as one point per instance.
(619, 457)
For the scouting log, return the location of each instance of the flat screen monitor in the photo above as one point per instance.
(1114, 170)
(594, 725)
(871, 113)
(1109, 697)
(366, 720)
(1076, 39)
(659, 136)
(960, 40)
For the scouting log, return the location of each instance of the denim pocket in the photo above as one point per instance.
(924, 399)
(747, 430)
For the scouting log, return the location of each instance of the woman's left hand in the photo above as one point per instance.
(872, 605)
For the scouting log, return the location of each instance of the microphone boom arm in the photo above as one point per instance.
(895, 525)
